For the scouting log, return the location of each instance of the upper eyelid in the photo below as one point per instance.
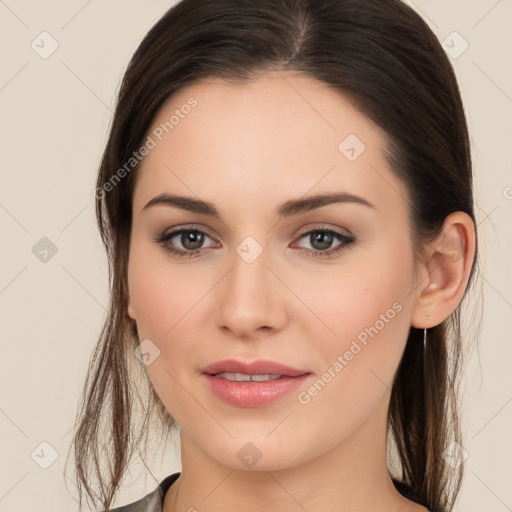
(339, 231)
(187, 227)
(193, 227)
(341, 237)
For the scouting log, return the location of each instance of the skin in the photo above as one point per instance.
(247, 148)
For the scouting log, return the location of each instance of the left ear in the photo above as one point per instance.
(445, 272)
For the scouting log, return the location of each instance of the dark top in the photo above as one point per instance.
(154, 501)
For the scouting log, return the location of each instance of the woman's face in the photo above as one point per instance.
(324, 287)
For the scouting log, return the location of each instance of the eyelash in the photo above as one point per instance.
(346, 241)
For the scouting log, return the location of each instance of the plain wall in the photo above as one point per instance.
(55, 114)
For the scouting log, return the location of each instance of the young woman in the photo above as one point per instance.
(286, 202)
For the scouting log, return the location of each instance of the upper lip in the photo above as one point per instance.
(258, 367)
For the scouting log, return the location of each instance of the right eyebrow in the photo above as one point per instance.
(185, 203)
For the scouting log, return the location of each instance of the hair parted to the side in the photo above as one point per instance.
(383, 57)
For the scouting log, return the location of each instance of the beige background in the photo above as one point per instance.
(55, 114)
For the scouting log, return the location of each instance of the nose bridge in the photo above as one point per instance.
(249, 298)
(249, 273)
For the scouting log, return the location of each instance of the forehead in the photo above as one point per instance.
(277, 136)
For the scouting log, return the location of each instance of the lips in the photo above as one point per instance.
(228, 381)
(258, 367)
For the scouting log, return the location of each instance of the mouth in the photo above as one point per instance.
(252, 384)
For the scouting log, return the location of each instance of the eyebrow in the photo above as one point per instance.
(287, 209)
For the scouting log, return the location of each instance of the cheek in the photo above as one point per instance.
(366, 306)
(369, 314)
(162, 296)
(168, 309)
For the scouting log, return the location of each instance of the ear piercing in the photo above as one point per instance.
(425, 333)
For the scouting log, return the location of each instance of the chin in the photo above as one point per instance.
(255, 454)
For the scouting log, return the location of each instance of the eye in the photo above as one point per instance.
(185, 241)
(321, 242)
(188, 241)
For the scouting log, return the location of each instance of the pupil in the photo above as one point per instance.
(324, 240)
(192, 240)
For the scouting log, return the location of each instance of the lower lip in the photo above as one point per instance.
(254, 394)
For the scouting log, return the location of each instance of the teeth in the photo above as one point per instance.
(266, 376)
(242, 377)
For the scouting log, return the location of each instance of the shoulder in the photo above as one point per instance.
(153, 501)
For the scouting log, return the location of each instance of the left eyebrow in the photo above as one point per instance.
(287, 209)
(306, 204)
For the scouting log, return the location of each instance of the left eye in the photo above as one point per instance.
(321, 241)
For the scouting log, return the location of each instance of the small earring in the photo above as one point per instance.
(427, 315)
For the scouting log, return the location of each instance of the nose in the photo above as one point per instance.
(252, 300)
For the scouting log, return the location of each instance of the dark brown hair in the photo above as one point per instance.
(384, 58)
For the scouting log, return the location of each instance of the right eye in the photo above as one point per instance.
(184, 242)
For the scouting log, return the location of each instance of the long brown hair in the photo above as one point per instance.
(385, 59)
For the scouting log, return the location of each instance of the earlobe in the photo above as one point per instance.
(131, 314)
(129, 308)
(448, 267)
